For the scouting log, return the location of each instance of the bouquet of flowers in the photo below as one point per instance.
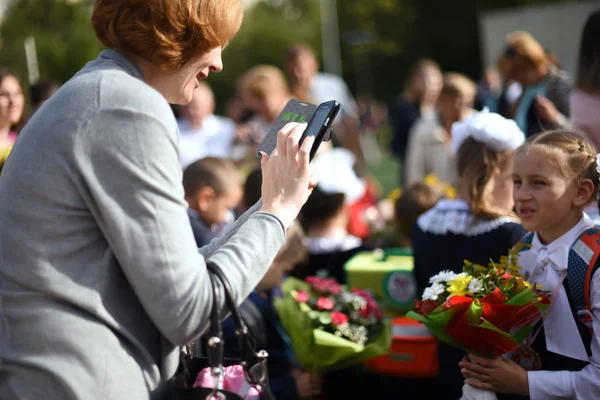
(329, 327)
(486, 311)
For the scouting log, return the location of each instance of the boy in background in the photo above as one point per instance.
(212, 190)
(418, 198)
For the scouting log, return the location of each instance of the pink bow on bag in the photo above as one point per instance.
(232, 379)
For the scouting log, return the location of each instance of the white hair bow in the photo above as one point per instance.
(491, 129)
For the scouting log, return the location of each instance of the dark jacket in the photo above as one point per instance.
(202, 232)
(556, 87)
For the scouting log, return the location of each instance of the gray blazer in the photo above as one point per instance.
(100, 279)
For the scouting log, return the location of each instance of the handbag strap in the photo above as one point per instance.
(254, 363)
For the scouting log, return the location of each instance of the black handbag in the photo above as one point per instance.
(254, 363)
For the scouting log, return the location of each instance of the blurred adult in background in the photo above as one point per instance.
(585, 99)
(429, 144)
(12, 102)
(201, 132)
(421, 90)
(265, 92)
(489, 88)
(544, 101)
(308, 84)
(101, 281)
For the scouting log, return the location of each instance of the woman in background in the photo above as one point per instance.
(12, 102)
(429, 142)
(544, 101)
(421, 91)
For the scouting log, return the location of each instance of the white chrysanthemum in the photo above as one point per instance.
(475, 286)
(433, 291)
(444, 276)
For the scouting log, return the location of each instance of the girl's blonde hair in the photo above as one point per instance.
(475, 164)
(262, 80)
(571, 153)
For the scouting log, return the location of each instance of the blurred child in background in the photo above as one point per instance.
(417, 199)
(286, 379)
(212, 190)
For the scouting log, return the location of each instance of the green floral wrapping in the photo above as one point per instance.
(318, 350)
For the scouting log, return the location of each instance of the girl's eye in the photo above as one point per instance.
(539, 183)
(516, 181)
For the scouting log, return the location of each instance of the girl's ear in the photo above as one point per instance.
(584, 194)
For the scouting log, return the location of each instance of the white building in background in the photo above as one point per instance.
(557, 26)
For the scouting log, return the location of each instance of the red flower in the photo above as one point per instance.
(495, 297)
(506, 276)
(301, 297)
(334, 288)
(324, 285)
(325, 304)
(311, 279)
(338, 318)
(365, 312)
(425, 307)
(371, 307)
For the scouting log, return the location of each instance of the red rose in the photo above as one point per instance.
(372, 306)
(425, 307)
(338, 318)
(506, 276)
(334, 288)
(301, 297)
(325, 304)
(495, 297)
(365, 312)
(311, 279)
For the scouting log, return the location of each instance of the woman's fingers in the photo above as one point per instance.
(293, 139)
(264, 159)
(304, 152)
(314, 181)
(282, 136)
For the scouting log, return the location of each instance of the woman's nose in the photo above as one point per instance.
(217, 65)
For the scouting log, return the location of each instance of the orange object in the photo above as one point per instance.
(413, 353)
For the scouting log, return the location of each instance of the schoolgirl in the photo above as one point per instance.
(555, 176)
(479, 225)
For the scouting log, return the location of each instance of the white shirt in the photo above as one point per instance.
(544, 264)
(213, 139)
(325, 87)
(429, 152)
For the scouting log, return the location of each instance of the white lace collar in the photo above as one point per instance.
(329, 244)
(455, 217)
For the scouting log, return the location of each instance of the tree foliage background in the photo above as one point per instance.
(379, 38)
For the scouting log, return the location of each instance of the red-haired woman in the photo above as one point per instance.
(100, 278)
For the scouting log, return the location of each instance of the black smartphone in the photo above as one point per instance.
(320, 125)
(294, 111)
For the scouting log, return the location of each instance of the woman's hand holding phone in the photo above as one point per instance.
(288, 177)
